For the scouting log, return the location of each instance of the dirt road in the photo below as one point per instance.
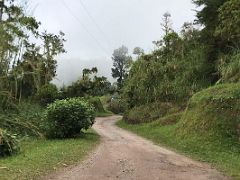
(125, 156)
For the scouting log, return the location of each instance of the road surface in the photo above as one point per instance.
(125, 156)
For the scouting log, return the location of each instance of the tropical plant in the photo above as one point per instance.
(8, 143)
(229, 68)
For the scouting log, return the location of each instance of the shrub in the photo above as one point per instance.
(117, 106)
(106, 100)
(97, 104)
(8, 143)
(149, 112)
(168, 120)
(47, 94)
(7, 101)
(213, 112)
(27, 121)
(229, 67)
(66, 118)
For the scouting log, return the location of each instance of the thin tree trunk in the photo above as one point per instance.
(1, 9)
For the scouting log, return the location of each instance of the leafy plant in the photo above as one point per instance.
(117, 106)
(96, 103)
(229, 68)
(8, 143)
(47, 94)
(66, 118)
(27, 120)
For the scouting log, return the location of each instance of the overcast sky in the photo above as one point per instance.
(94, 28)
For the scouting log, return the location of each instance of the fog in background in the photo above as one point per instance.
(94, 28)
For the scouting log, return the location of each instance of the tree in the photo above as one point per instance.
(53, 45)
(121, 63)
(24, 64)
(15, 29)
(89, 85)
(87, 72)
(167, 24)
(171, 73)
(1, 9)
(138, 51)
(167, 29)
(208, 16)
(228, 29)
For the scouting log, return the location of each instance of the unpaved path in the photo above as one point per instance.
(125, 156)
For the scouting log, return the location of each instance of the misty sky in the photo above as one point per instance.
(94, 28)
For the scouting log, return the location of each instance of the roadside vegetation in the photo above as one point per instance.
(38, 157)
(207, 130)
(220, 153)
(185, 93)
(42, 127)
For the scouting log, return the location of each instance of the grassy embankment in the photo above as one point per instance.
(207, 131)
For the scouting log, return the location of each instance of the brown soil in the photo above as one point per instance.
(123, 155)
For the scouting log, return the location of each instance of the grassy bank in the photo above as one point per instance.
(220, 153)
(39, 157)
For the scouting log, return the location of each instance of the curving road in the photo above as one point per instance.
(125, 156)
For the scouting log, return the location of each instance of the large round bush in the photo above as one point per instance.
(8, 143)
(66, 118)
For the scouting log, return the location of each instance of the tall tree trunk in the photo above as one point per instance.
(1, 9)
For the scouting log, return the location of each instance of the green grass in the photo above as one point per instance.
(104, 114)
(39, 157)
(105, 100)
(220, 153)
(213, 112)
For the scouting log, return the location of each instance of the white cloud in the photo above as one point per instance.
(129, 22)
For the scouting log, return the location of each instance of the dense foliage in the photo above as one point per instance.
(117, 105)
(25, 66)
(66, 118)
(88, 85)
(172, 73)
(26, 120)
(149, 112)
(187, 62)
(121, 64)
(229, 67)
(213, 112)
(8, 143)
(96, 103)
(47, 94)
